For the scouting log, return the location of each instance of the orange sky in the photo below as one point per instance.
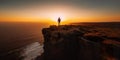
(49, 12)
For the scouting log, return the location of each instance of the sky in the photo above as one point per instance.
(68, 10)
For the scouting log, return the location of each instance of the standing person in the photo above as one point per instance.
(59, 20)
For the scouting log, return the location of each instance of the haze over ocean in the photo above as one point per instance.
(20, 37)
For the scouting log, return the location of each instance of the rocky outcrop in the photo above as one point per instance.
(75, 42)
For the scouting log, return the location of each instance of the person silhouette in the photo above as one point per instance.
(59, 20)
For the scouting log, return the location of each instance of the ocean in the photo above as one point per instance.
(21, 40)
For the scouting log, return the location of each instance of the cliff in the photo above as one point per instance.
(78, 42)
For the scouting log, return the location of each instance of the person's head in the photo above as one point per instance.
(59, 19)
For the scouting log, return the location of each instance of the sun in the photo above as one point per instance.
(55, 17)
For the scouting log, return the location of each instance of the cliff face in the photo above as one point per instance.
(80, 43)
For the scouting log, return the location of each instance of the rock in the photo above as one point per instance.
(75, 42)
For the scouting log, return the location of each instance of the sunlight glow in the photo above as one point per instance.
(55, 16)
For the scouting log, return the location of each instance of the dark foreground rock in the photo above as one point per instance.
(76, 42)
